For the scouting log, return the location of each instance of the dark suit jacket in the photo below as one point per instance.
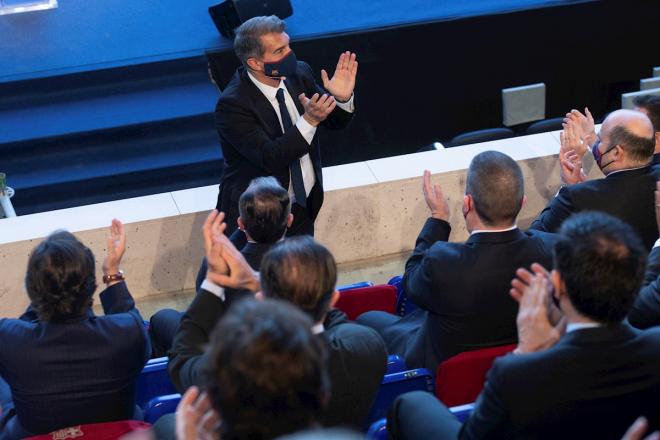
(74, 372)
(462, 290)
(252, 141)
(628, 195)
(356, 363)
(593, 383)
(645, 312)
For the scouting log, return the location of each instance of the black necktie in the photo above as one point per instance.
(296, 171)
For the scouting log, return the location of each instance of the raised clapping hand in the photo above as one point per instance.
(227, 266)
(195, 417)
(116, 245)
(435, 199)
(570, 156)
(540, 323)
(317, 108)
(583, 124)
(343, 81)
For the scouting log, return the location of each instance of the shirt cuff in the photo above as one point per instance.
(218, 291)
(347, 106)
(306, 129)
(657, 243)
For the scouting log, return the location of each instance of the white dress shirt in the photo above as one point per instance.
(306, 129)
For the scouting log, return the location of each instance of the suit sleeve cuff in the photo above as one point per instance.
(218, 291)
(347, 106)
(306, 129)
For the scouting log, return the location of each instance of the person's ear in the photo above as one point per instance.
(559, 288)
(241, 225)
(524, 202)
(334, 298)
(255, 64)
(289, 221)
(657, 142)
(467, 204)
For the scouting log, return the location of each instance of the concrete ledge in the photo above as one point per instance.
(371, 209)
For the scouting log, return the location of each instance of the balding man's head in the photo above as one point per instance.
(632, 131)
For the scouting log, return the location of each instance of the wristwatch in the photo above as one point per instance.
(119, 276)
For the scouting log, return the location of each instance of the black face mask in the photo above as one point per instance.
(598, 156)
(285, 66)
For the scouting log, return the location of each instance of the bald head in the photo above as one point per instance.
(633, 132)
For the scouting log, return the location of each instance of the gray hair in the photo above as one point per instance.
(247, 43)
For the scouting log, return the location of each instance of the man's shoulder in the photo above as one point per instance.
(349, 335)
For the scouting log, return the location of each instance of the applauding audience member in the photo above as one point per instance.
(64, 365)
(265, 377)
(264, 215)
(645, 312)
(462, 289)
(579, 370)
(623, 151)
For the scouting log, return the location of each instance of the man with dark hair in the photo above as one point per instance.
(300, 271)
(265, 215)
(64, 365)
(650, 106)
(267, 118)
(623, 151)
(579, 370)
(266, 374)
(461, 289)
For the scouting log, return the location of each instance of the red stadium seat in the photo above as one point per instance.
(355, 302)
(460, 378)
(95, 431)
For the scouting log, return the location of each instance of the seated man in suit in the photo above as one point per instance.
(64, 365)
(623, 151)
(264, 215)
(462, 289)
(579, 370)
(650, 106)
(645, 311)
(304, 273)
(266, 376)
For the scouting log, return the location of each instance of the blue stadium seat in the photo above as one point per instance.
(153, 381)
(378, 429)
(355, 286)
(159, 406)
(396, 384)
(395, 364)
(403, 305)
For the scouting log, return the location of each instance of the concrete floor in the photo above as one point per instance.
(378, 271)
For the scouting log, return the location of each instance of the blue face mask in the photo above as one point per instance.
(285, 66)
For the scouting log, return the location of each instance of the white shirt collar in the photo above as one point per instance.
(479, 231)
(580, 325)
(318, 328)
(268, 91)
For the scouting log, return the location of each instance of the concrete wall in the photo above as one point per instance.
(371, 209)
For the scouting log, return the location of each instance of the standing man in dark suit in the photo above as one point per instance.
(462, 289)
(579, 371)
(623, 151)
(268, 118)
(304, 273)
(64, 365)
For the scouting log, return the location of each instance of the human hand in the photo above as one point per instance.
(213, 226)
(238, 273)
(317, 108)
(524, 279)
(584, 125)
(570, 168)
(116, 246)
(195, 417)
(343, 81)
(637, 430)
(435, 199)
(570, 139)
(535, 331)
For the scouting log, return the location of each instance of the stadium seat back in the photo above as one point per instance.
(403, 305)
(355, 302)
(154, 381)
(460, 378)
(95, 431)
(159, 406)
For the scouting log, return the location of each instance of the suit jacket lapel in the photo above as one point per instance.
(294, 91)
(262, 107)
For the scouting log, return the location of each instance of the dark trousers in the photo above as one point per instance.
(162, 328)
(420, 415)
